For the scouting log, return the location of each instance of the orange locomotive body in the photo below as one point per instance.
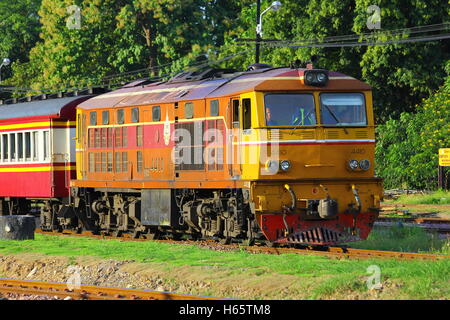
(280, 154)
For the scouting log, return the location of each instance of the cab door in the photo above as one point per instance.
(234, 137)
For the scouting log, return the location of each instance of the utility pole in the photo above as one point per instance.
(258, 36)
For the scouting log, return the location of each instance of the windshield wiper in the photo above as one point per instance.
(335, 118)
(301, 120)
(332, 113)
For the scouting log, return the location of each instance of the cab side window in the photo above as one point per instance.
(246, 114)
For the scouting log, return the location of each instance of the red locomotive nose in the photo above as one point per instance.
(290, 228)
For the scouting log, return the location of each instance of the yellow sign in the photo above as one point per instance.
(444, 157)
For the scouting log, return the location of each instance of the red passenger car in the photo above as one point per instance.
(37, 152)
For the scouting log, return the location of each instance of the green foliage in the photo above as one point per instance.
(407, 149)
(19, 33)
(404, 239)
(438, 197)
(402, 74)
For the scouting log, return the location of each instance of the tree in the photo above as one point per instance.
(19, 32)
(407, 149)
(403, 74)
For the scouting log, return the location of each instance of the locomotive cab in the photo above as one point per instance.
(309, 152)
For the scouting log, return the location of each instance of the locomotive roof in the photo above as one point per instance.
(63, 107)
(268, 79)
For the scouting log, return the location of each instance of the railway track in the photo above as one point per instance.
(46, 290)
(333, 252)
(441, 226)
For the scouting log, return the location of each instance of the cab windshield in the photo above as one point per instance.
(284, 109)
(342, 109)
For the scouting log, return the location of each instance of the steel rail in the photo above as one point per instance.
(441, 226)
(333, 252)
(87, 292)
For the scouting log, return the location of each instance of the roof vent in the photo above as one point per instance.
(258, 66)
(202, 74)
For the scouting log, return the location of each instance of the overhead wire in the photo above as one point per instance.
(101, 84)
(352, 40)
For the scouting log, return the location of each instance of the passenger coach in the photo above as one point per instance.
(37, 153)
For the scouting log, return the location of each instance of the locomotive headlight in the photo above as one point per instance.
(285, 165)
(310, 77)
(316, 77)
(364, 164)
(353, 164)
(321, 77)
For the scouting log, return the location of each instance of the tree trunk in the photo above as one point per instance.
(17, 227)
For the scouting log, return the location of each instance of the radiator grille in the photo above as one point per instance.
(333, 134)
(361, 134)
(316, 235)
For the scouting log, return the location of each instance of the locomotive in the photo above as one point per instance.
(283, 155)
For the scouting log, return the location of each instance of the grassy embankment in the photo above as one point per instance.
(287, 276)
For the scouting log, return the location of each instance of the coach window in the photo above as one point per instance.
(105, 117)
(214, 108)
(5, 147)
(46, 145)
(189, 110)
(12, 146)
(20, 146)
(28, 146)
(120, 116)
(135, 115)
(35, 145)
(93, 118)
(156, 113)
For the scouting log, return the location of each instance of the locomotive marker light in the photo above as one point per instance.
(285, 165)
(364, 164)
(5, 62)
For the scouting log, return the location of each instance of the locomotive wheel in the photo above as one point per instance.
(136, 235)
(248, 242)
(117, 233)
(226, 240)
(271, 244)
(152, 235)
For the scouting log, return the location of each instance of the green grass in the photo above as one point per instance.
(404, 239)
(437, 197)
(318, 277)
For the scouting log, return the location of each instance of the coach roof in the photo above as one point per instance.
(63, 107)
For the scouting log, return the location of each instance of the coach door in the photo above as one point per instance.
(235, 141)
